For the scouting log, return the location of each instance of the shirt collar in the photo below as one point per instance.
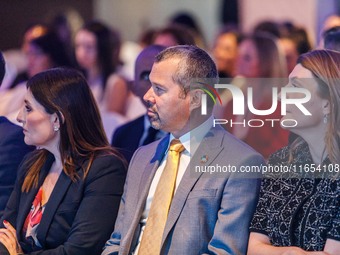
(193, 138)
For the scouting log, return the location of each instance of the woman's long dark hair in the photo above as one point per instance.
(65, 92)
(108, 47)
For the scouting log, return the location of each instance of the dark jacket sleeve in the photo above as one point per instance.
(12, 151)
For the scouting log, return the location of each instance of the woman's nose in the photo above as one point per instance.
(20, 118)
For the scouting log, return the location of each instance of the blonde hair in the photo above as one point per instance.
(324, 64)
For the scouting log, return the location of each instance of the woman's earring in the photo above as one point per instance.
(325, 118)
(56, 129)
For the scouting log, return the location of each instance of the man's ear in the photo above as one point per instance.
(195, 98)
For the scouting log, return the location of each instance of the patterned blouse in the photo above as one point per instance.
(33, 220)
(295, 209)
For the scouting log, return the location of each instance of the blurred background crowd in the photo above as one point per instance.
(103, 39)
(255, 45)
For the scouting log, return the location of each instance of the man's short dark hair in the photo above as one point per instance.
(2, 67)
(196, 69)
(194, 64)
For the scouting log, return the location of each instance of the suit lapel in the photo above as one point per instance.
(152, 166)
(209, 148)
(144, 186)
(27, 198)
(138, 130)
(52, 205)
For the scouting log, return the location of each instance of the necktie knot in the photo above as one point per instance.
(176, 146)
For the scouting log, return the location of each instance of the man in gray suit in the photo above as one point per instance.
(210, 212)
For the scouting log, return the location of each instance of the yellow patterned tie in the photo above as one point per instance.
(158, 214)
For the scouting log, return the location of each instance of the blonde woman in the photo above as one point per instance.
(298, 212)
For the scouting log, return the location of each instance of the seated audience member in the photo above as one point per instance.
(146, 37)
(188, 20)
(260, 65)
(67, 194)
(97, 53)
(97, 48)
(225, 51)
(330, 22)
(132, 135)
(294, 42)
(268, 26)
(167, 207)
(12, 151)
(16, 59)
(174, 35)
(43, 52)
(332, 39)
(66, 23)
(298, 212)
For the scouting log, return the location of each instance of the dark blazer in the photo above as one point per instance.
(209, 213)
(12, 151)
(126, 137)
(79, 216)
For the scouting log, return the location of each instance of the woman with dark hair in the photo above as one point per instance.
(298, 211)
(31, 32)
(294, 42)
(97, 53)
(225, 50)
(45, 52)
(67, 194)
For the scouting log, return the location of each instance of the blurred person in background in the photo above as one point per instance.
(268, 26)
(16, 59)
(66, 23)
(173, 35)
(146, 37)
(43, 52)
(330, 22)
(294, 42)
(260, 66)
(97, 50)
(225, 51)
(138, 132)
(331, 39)
(189, 21)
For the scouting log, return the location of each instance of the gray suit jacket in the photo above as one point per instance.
(209, 214)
